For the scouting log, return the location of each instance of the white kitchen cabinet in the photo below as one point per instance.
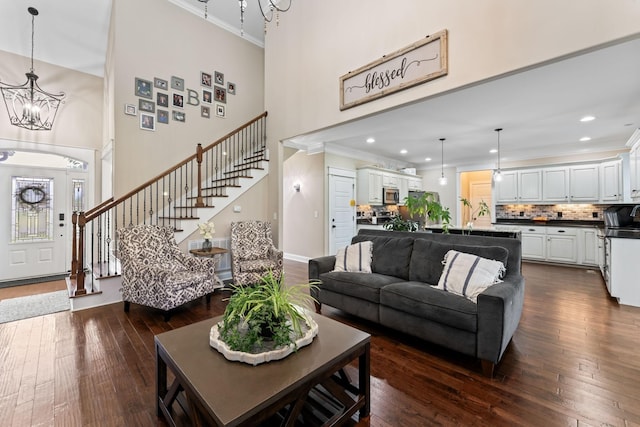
(403, 189)
(588, 246)
(611, 181)
(369, 187)
(555, 184)
(414, 184)
(534, 243)
(507, 188)
(624, 270)
(371, 181)
(521, 186)
(584, 183)
(634, 171)
(562, 245)
(390, 180)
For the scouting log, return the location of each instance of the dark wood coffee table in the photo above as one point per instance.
(309, 386)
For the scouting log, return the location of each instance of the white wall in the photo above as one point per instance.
(158, 39)
(317, 42)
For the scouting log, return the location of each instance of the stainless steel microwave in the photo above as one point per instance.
(390, 196)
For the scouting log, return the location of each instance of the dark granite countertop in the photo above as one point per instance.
(623, 233)
(551, 222)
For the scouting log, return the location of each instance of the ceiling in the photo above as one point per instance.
(539, 109)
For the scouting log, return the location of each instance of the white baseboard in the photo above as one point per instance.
(294, 257)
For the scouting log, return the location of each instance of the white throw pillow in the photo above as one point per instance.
(469, 275)
(355, 258)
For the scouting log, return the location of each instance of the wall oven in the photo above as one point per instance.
(390, 196)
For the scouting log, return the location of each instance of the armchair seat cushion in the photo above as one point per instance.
(183, 279)
(257, 265)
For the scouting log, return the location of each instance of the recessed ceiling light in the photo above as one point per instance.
(427, 159)
(403, 151)
(587, 118)
(370, 140)
(493, 150)
(585, 139)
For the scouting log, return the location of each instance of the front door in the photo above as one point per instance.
(342, 210)
(35, 224)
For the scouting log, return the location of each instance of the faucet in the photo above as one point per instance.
(634, 210)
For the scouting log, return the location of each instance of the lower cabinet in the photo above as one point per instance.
(562, 244)
(534, 243)
(569, 245)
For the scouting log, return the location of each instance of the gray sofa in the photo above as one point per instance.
(396, 293)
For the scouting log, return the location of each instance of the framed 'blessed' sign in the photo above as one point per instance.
(415, 64)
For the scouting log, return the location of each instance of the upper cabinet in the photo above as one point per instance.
(369, 187)
(577, 183)
(555, 185)
(371, 181)
(584, 183)
(634, 164)
(611, 181)
(521, 186)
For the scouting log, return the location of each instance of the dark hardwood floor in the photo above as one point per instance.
(574, 361)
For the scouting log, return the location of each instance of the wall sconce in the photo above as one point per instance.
(296, 187)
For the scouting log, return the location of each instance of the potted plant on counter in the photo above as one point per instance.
(430, 209)
(481, 210)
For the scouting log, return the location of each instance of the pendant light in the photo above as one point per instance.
(497, 175)
(443, 179)
(28, 105)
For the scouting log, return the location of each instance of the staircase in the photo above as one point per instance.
(193, 191)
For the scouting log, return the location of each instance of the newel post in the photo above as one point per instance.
(199, 201)
(80, 290)
(74, 253)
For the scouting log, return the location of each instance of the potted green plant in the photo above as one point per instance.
(481, 210)
(430, 209)
(265, 318)
(399, 224)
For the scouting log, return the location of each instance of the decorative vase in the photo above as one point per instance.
(206, 246)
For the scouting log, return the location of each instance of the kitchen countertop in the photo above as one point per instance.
(621, 233)
(551, 222)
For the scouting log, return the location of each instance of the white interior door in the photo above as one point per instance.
(342, 209)
(478, 192)
(35, 225)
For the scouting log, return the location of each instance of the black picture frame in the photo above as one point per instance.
(162, 99)
(177, 100)
(163, 116)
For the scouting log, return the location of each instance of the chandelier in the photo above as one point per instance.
(267, 8)
(28, 105)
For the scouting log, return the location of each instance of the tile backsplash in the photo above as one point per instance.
(578, 212)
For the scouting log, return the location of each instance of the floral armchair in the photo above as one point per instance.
(253, 253)
(156, 273)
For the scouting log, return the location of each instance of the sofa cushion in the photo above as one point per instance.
(363, 286)
(391, 255)
(427, 302)
(469, 275)
(355, 257)
(426, 259)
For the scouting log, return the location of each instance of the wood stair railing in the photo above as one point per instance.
(168, 199)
